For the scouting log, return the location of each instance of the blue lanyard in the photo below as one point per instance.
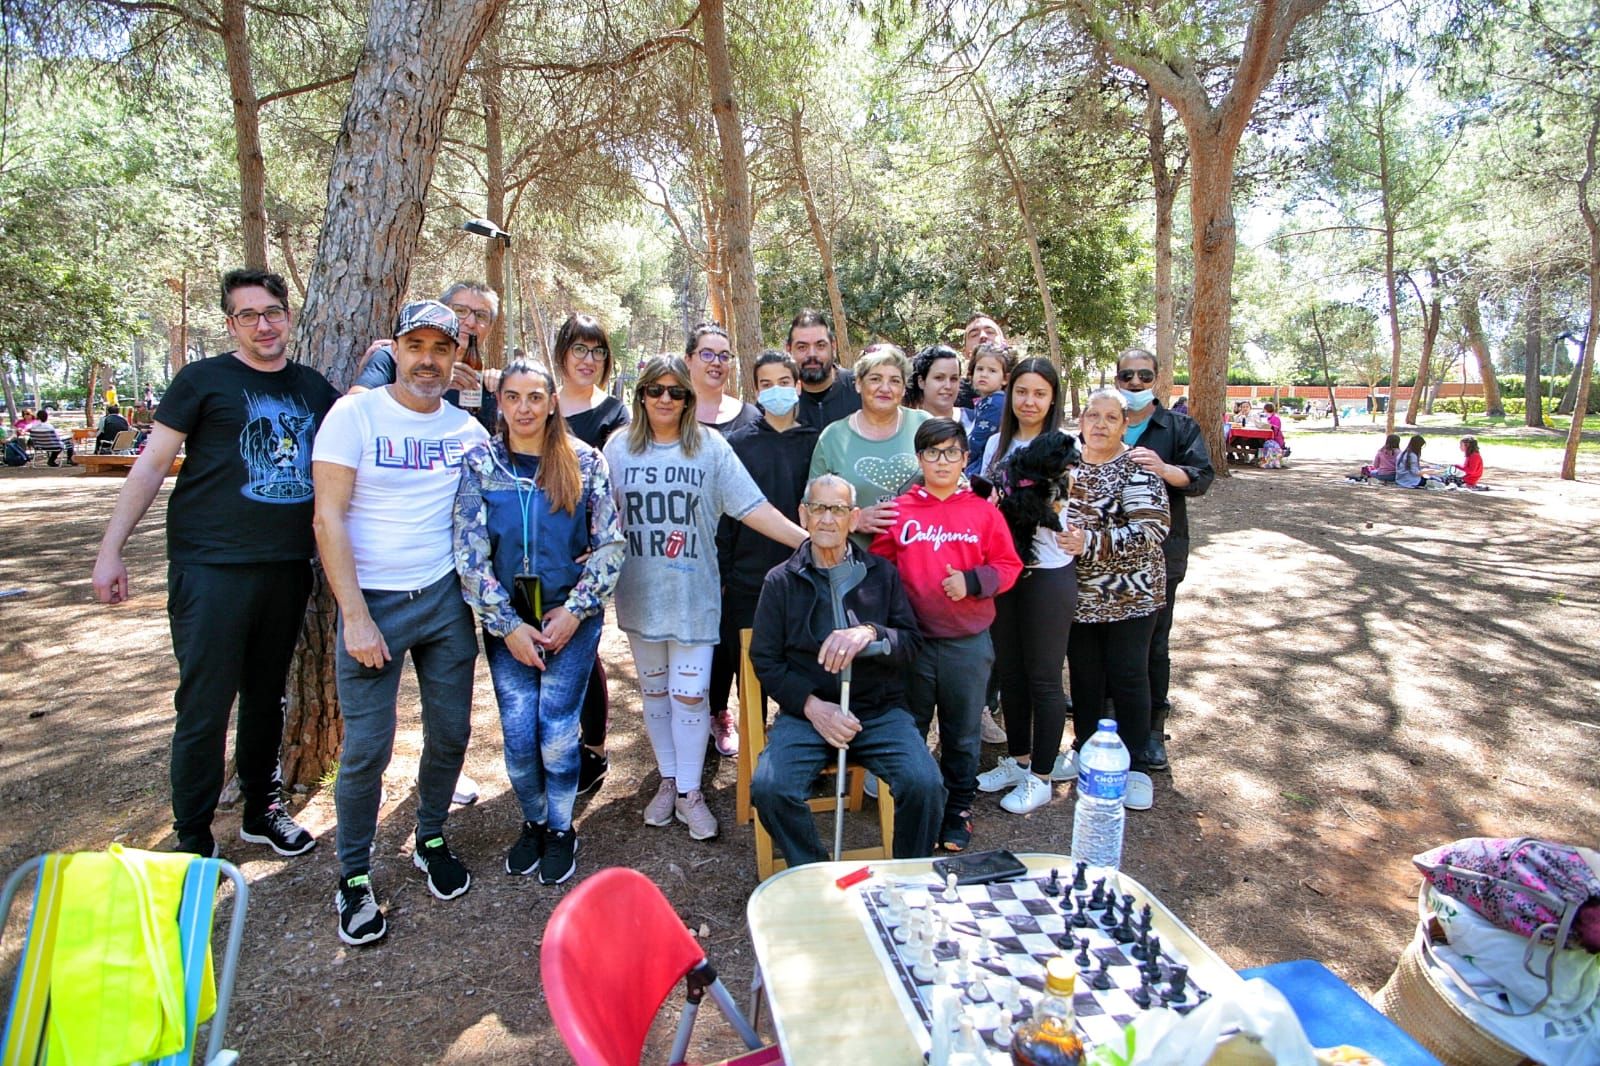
(526, 502)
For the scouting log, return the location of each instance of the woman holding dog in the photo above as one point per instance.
(1030, 640)
(1122, 586)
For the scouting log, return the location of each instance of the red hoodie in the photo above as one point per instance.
(964, 532)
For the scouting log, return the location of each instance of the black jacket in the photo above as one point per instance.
(819, 410)
(795, 615)
(778, 463)
(1176, 438)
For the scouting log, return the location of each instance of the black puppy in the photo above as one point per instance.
(1033, 485)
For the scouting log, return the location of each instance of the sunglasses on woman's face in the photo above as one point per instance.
(655, 392)
(1145, 376)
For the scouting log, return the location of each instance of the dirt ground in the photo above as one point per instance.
(1359, 673)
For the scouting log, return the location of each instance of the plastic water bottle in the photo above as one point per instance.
(1102, 779)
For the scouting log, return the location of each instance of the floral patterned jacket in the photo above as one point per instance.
(490, 506)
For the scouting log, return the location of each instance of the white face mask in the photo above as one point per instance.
(1138, 401)
(779, 399)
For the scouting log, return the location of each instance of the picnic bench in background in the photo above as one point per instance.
(117, 465)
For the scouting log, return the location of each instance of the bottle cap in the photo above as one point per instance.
(1108, 725)
(1060, 976)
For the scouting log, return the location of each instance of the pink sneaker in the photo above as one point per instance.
(725, 732)
(692, 811)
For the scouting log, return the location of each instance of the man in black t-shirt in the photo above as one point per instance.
(112, 424)
(827, 390)
(239, 547)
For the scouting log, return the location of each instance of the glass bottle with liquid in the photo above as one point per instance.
(472, 399)
(1048, 1037)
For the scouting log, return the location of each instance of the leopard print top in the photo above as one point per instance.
(1123, 511)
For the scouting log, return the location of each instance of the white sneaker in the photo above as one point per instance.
(989, 729)
(658, 812)
(1030, 794)
(466, 792)
(1006, 774)
(870, 786)
(1141, 792)
(691, 810)
(1066, 767)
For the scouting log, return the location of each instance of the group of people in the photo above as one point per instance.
(841, 518)
(36, 433)
(1404, 467)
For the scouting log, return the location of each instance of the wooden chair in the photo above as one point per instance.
(753, 739)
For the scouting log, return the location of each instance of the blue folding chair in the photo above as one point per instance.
(25, 1038)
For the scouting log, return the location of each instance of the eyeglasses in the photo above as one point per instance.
(949, 455)
(1145, 376)
(275, 316)
(585, 354)
(837, 510)
(481, 317)
(706, 355)
(655, 392)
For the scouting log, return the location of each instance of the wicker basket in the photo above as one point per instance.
(1414, 1000)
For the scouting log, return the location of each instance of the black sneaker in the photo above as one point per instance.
(956, 832)
(1155, 753)
(279, 831)
(205, 847)
(591, 770)
(447, 878)
(527, 851)
(360, 918)
(560, 856)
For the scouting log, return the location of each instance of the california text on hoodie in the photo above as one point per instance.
(930, 535)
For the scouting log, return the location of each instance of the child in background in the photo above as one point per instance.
(1408, 466)
(1470, 472)
(1382, 466)
(1274, 450)
(990, 370)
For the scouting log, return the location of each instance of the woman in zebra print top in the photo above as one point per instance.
(1122, 585)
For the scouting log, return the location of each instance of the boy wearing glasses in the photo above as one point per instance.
(239, 549)
(1168, 445)
(955, 555)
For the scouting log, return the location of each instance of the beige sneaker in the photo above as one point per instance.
(658, 811)
(989, 729)
(692, 811)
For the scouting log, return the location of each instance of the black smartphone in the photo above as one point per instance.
(980, 867)
(529, 600)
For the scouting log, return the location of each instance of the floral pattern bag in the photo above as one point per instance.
(1549, 893)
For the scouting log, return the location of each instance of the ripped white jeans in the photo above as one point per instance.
(673, 681)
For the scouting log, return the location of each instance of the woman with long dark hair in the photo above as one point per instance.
(532, 502)
(1033, 619)
(673, 482)
(584, 364)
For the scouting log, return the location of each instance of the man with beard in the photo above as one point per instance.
(979, 330)
(476, 307)
(827, 390)
(386, 467)
(1170, 446)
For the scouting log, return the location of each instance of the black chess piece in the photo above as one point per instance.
(1178, 991)
(1145, 917)
(1141, 995)
(1109, 922)
(1081, 960)
(1100, 980)
(1098, 899)
(1052, 887)
(1127, 906)
(1080, 880)
(1123, 933)
(1153, 946)
(1081, 919)
(1141, 947)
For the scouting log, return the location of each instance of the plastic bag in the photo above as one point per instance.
(1162, 1037)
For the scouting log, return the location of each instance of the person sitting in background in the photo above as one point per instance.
(42, 436)
(106, 434)
(1470, 472)
(1383, 463)
(1408, 466)
(24, 422)
(1273, 451)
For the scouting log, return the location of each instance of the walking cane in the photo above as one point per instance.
(838, 778)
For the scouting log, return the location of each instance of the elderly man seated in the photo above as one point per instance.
(799, 649)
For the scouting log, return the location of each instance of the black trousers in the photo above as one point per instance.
(1031, 623)
(738, 612)
(1160, 652)
(1112, 659)
(233, 630)
(596, 708)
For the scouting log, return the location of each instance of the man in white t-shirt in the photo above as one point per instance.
(385, 468)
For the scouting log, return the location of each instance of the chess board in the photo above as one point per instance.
(1024, 924)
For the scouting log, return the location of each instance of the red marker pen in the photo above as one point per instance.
(854, 877)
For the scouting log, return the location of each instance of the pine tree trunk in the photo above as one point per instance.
(494, 253)
(1215, 235)
(246, 134)
(1472, 323)
(1532, 352)
(736, 209)
(1322, 354)
(1432, 315)
(830, 276)
(1165, 185)
(382, 163)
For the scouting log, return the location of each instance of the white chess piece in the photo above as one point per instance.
(944, 929)
(1013, 1001)
(927, 967)
(985, 946)
(1002, 1033)
(950, 895)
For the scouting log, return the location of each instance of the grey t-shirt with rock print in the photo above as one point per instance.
(669, 504)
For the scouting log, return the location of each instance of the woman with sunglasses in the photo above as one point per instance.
(1033, 619)
(673, 482)
(531, 504)
(709, 357)
(583, 359)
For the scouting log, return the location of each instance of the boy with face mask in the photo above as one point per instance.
(1168, 445)
(777, 453)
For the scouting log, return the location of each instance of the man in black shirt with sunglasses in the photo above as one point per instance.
(1170, 446)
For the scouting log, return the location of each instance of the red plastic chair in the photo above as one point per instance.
(613, 951)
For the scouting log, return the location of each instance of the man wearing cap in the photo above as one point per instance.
(476, 307)
(386, 467)
(239, 550)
